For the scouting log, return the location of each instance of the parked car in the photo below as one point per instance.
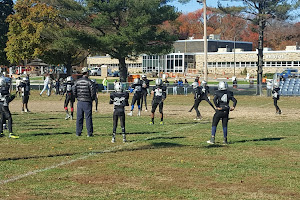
(96, 71)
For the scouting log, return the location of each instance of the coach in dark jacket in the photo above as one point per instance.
(84, 91)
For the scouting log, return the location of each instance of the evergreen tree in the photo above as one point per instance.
(6, 9)
(129, 28)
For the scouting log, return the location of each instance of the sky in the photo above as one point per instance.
(193, 5)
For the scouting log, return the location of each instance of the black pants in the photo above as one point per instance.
(220, 114)
(96, 103)
(5, 115)
(122, 121)
(155, 104)
(136, 98)
(69, 99)
(144, 98)
(198, 101)
(275, 104)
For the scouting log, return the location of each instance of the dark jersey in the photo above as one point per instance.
(145, 84)
(222, 98)
(137, 88)
(204, 90)
(120, 100)
(275, 93)
(159, 93)
(197, 93)
(25, 86)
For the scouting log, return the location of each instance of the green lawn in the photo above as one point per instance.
(171, 161)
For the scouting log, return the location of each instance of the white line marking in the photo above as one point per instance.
(31, 173)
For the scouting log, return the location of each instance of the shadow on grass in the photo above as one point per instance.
(198, 122)
(259, 140)
(44, 134)
(155, 145)
(37, 157)
(165, 138)
(143, 132)
(211, 146)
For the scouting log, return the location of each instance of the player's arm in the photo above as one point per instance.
(234, 103)
(111, 100)
(216, 102)
(164, 93)
(74, 90)
(126, 99)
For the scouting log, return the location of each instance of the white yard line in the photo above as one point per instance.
(31, 173)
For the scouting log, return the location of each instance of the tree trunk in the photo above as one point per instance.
(69, 69)
(123, 70)
(260, 54)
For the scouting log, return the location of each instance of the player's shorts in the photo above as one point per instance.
(25, 99)
(155, 104)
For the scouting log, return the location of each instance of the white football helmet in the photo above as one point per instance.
(203, 83)
(144, 76)
(26, 79)
(158, 82)
(118, 87)
(136, 81)
(69, 79)
(222, 85)
(195, 85)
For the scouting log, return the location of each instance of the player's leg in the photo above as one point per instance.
(122, 122)
(145, 96)
(216, 119)
(72, 107)
(196, 105)
(225, 126)
(154, 106)
(278, 111)
(115, 124)
(208, 101)
(7, 116)
(139, 105)
(26, 103)
(66, 106)
(96, 102)
(161, 107)
(132, 104)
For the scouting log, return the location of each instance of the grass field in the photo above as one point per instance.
(171, 161)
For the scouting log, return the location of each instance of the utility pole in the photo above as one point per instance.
(205, 38)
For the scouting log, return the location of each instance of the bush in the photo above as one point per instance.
(244, 72)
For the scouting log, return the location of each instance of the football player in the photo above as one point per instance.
(120, 100)
(221, 101)
(159, 95)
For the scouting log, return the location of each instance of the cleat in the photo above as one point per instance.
(139, 113)
(71, 117)
(146, 110)
(161, 123)
(96, 110)
(67, 117)
(190, 110)
(11, 135)
(113, 140)
(124, 140)
(211, 141)
(90, 135)
(225, 141)
(151, 123)
(2, 135)
(198, 118)
(130, 114)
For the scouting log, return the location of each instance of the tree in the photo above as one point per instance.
(71, 41)
(25, 38)
(259, 12)
(6, 9)
(129, 28)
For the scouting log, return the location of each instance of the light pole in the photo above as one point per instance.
(234, 57)
(205, 38)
